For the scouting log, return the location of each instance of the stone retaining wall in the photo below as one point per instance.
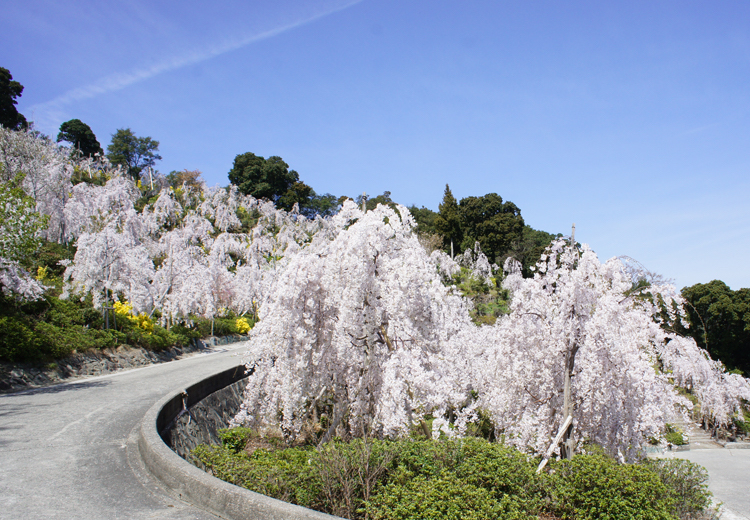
(14, 377)
(201, 422)
(170, 418)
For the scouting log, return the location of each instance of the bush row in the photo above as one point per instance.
(456, 479)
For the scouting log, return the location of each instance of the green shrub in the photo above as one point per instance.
(503, 470)
(686, 483)
(674, 436)
(444, 497)
(235, 439)
(597, 487)
(288, 474)
(456, 478)
(18, 342)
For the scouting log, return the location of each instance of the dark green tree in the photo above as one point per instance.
(425, 219)
(720, 322)
(529, 248)
(298, 193)
(324, 205)
(262, 178)
(495, 224)
(9, 91)
(448, 221)
(132, 152)
(80, 136)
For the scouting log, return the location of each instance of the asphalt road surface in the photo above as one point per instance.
(68, 451)
(728, 478)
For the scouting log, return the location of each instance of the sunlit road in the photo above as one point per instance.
(68, 451)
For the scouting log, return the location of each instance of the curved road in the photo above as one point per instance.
(68, 451)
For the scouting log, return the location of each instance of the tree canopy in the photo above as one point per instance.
(262, 178)
(132, 152)
(80, 136)
(720, 322)
(9, 91)
(495, 224)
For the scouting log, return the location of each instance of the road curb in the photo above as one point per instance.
(194, 485)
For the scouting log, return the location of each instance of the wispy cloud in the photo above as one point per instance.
(50, 113)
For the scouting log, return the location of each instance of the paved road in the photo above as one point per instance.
(67, 451)
(728, 478)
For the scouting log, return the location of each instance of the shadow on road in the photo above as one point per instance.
(60, 388)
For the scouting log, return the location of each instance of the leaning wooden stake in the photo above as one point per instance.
(563, 428)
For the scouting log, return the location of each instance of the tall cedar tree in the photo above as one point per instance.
(448, 221)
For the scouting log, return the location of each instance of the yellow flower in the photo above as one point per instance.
(242, 325)
(142, 320)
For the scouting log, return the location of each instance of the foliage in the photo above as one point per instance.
(590, 487)
(9, 91)
(489, 299)
(141, 321)
(448, 222)
(262, 178)
(132, 152)
(686, 483)
(20, 228)
(192, 178)
(530, 248)
(20, 224)
(674, 436)
(425, 219)
(298, 193)
(495, 224)
(373, 202)
(444, 497)
(80, 136)
(325, 205)
(242, 325)
(235, 439)
(454, 478)
(720, 322)
(284, 474)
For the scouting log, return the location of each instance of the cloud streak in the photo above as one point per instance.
(51, 112)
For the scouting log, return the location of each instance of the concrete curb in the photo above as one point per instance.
(194, 485)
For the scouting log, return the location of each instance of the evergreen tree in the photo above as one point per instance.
(448, 221)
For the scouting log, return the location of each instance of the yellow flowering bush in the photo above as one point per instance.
(242, 325)
(142, 321)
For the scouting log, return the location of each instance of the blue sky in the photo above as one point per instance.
(631, 119)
